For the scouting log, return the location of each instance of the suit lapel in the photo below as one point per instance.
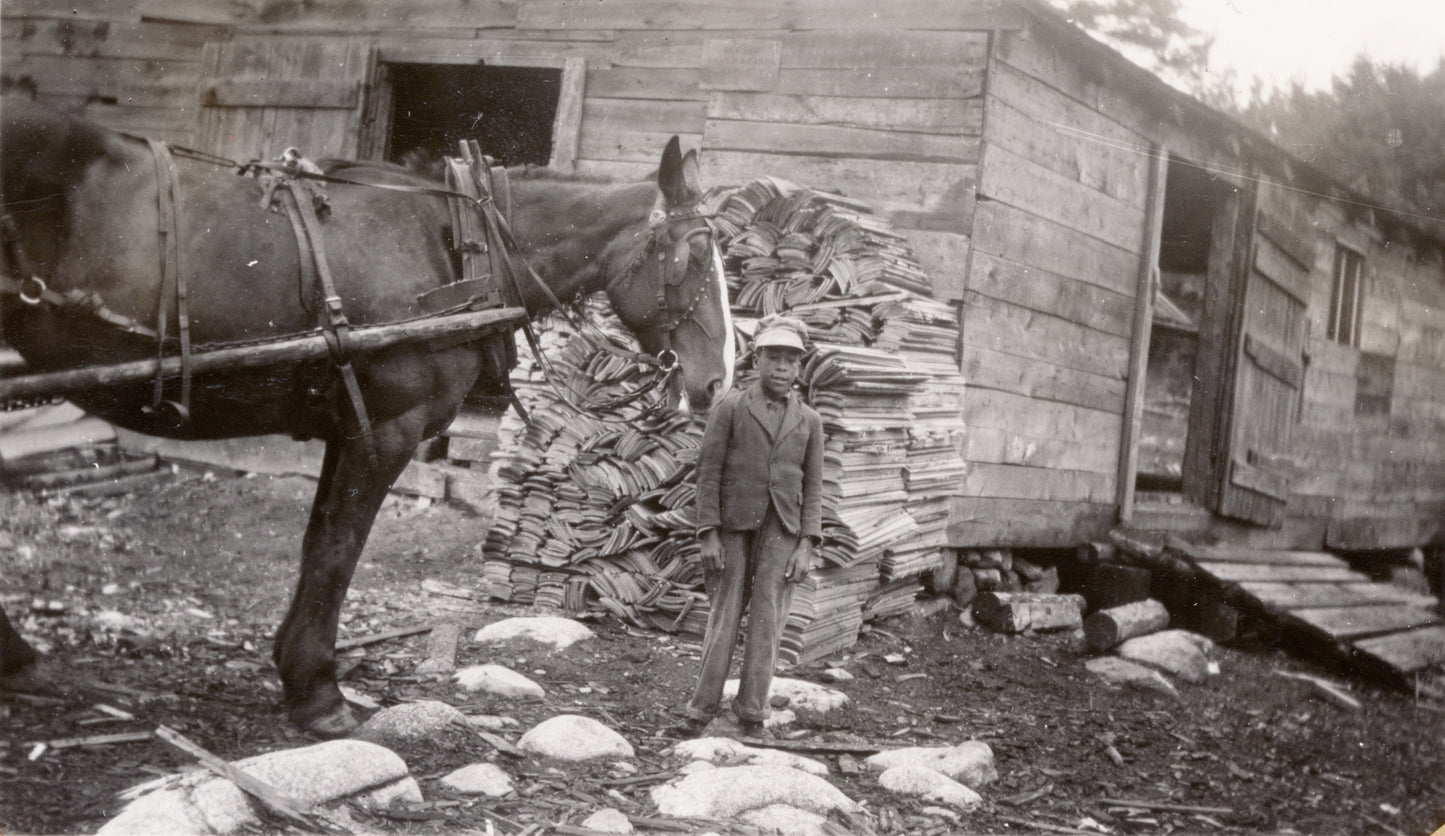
(758, 408)
(792, 417)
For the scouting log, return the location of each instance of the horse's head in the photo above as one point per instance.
(673, 295)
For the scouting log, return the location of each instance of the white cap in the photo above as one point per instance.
(782, 331)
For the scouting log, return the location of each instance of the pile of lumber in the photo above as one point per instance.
(54, 448)
(595, 509)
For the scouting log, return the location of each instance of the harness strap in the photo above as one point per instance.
(337, 328)
(173, 279)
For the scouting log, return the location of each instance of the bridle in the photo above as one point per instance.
(660, 224)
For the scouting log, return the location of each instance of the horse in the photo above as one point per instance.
(86, 217)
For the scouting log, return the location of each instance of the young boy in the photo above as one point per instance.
(759, 518)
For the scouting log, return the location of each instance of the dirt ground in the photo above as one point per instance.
(162, 604)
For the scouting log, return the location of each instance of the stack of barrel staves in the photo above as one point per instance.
(595, 508)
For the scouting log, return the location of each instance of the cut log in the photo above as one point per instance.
(82, 433)
(1106, 628)
(964, 587)
(1014, 612)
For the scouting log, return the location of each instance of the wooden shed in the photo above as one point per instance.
(1164, 319)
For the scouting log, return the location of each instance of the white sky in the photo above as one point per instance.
(1314, 40)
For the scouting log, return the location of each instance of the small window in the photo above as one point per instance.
(1344, 325)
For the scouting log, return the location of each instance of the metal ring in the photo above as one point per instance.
(39, 292)
(668, 358)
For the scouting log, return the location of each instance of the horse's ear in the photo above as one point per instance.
(670, 176)
(692, 174)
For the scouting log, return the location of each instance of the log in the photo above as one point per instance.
(1106, 628)
(82, 433)
(294, 349)
(1014, 612)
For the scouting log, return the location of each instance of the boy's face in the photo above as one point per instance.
(778, 368)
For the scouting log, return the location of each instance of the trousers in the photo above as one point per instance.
(754, 563)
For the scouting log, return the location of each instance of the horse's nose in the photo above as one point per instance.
(714, 389)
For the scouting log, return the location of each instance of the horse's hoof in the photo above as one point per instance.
(339, 722)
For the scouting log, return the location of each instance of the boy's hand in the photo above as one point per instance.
(711, 551)
(799, 562)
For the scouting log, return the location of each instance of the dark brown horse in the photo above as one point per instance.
(85, 206)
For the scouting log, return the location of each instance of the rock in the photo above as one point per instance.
(724, 751)
(780, 818)
(970, 762)
(809, 696)
(558, 632)
(727, 792)
(1118, 671)
(965, 588)
(921, 782)
(491, 722)
(325, 774)
(479, 779)
(1176, 652)
(410, 723)
(500, 680)
(357, 698)
(570, 737)
(608, 820)
(115, 621)
(836, 675)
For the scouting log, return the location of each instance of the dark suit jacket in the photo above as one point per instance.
(741, 466)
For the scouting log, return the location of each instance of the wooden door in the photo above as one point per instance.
(264, 94)
(1263, 393)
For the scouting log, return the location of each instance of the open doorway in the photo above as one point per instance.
(1192, 200)
(509, 111)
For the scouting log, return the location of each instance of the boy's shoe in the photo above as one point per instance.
(754, 729)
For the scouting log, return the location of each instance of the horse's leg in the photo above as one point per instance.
(15, 653)
(348, 497)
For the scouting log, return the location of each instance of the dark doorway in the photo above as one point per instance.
(1191, 200)
(509, 111)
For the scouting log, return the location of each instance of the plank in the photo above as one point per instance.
(1244, 554)
(1289, 241)
(1272, 263)
(985, 368)
(944, 257)
(1010, 178)
(934, 116)
(1120, 172)
(962, 82)
(1003, 446)
(1293, 596)
(106, 38)
(1296, 574)
(1041, 419)
(1408, 651)
(740, 64)
(1048, 292)
(899, 188)
(878, 48)
(902, 14)
(1008, 328)
(648, 14)
(1352, 622)
(1006, 481)
(834, 140)
(645, 83)
(567, 127)
(671, 117)
(281, 93)
(984, 522)
(1026, 237)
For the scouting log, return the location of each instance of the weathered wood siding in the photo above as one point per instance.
(1058, 237)
(1371, 441)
